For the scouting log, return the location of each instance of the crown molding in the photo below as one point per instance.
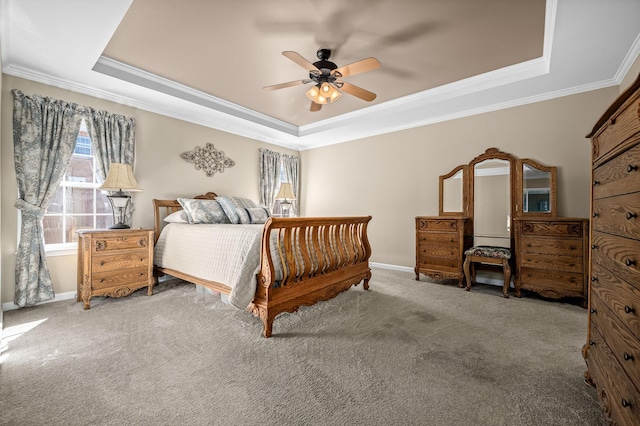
(143, 78)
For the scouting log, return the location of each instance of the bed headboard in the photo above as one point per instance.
(163, 208)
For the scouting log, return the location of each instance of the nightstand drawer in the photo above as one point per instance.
(106, 244)
(119, 261)
(125, 277)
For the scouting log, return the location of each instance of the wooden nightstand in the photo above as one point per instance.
(114, 262)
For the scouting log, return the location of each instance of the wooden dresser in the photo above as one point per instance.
(114, 262)
(612, 352)
(551, 256)
(440, 245)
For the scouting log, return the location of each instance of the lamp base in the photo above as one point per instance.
(119, 226)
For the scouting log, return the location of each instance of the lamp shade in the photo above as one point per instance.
(286, 192)
(120, 178)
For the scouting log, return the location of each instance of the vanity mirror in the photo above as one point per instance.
(537, 186)
(453, 192)
(506, 210)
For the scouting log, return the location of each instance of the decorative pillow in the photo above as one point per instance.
(235, 208)
(258, 214)
(203, 211)
(177, 217)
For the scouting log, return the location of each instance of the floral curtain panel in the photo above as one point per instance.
(291, 167)
(269, 177)
(112, 141)
(44, 137)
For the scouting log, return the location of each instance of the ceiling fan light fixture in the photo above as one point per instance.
(323, 94)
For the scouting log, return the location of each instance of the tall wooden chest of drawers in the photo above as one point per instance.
(612, 352)
(440, 245)
(552, 254)
(114, 262)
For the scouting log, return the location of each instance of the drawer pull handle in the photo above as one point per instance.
(629, 262)
(593, 311)
(629, 309)
(596, 182)
(594, 278)
(631, 168)
(627, 357)
(612, 121)
(631, 215)
(593, 246)
(595, 214)
(102, 263)
(625, 403)
(102, 280)
(591, 343)
(572, 247)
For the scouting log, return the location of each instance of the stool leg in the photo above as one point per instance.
(507, 277)
(467, 272)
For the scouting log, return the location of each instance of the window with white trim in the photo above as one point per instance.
(78, 203)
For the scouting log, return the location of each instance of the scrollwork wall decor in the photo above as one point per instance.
(208, 158)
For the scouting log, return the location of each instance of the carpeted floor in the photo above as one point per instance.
(403, 353)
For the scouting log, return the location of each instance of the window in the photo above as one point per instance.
(77, 204)
(277, 204)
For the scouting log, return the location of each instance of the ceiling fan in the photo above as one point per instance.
(328, 78)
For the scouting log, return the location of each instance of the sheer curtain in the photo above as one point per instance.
(44, 137)
(112, 141)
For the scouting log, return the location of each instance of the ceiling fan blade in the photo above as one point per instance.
(364, 65)
(288, 84)
(300, 60)
(315, 107)
(358, 92)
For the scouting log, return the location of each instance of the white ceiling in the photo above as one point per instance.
(206, 61)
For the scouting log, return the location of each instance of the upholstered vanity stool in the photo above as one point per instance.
(488, 254)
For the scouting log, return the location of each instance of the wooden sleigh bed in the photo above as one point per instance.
(317, 258)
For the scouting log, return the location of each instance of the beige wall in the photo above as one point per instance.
(394, 177)
(159, 170)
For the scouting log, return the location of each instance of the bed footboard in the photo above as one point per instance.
(320, 257)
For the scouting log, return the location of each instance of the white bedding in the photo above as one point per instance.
(227, 254)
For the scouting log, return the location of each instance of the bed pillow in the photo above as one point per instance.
(177, 217)
(235, 208)
(257, 214)
(203, 211)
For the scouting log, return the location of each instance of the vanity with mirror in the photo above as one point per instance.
(505, 205)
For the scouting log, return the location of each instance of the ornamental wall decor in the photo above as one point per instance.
(208, 159)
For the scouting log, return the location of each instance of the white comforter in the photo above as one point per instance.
(227, 254)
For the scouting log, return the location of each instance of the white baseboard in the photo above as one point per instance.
(9, 306)
(392, 267)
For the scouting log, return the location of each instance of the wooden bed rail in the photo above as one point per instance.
(320, 257)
